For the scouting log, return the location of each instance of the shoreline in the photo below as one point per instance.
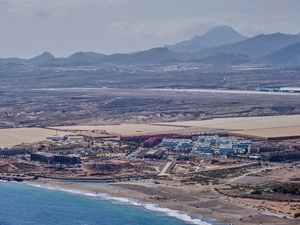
(117, 194)
(193, 201)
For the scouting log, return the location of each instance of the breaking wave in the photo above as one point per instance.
(148, 206)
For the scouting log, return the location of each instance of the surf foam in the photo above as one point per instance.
(148, 206)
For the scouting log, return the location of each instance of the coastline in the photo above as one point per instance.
(189, 203)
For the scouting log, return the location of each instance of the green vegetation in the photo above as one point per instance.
(197, 179)
(222, 173)
(256, 192)
(279, 188)
(213, 176)
(41, 147)
(293, 189)
(132, 145)
(223, 135)
(296, 215)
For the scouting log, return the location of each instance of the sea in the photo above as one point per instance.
(22, 203)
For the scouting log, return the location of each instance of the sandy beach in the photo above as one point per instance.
(193, 199)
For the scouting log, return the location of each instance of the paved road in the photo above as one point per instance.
(166, 167)
(227, 91)
(256, 171)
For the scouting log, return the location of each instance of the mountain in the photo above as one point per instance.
(253, 47)
(85, 56)
(262, 49)
(216, 36)
(224, 59)
(36, 60)
(76, 59)
(41, 58)
(289, 55)
(154, 55)
(151, 56)
(12, 60)
(185, 46)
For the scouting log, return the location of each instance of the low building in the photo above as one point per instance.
(242, 144)
(42, 157)
(76, 138)
(185, 145)
(290, 89)
(272, 148)
(210, 139)
(142, 153)
(49, 158)
(282, 156)
(253, 149)
(64, 148)
(170, 143)
(154, 154)
(203, 148)
(177, 144)
(14, 151)
(255, 156)
(151, 142)
(67, 159)
(58, 138)
(226, 149)
(222, 141)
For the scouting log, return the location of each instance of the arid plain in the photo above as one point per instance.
(120, 104)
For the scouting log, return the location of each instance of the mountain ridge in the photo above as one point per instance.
(254, 47)
(289, 55)
(40, 58)
(252, 50)
(216, 36)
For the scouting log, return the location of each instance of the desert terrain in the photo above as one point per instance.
(114, 95)
(113, 102)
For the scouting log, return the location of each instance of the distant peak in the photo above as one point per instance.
(223, 28)
(85, 54)
(216, 36)
(47, 53)
(77, 53)
(43, 57)
(159, 49)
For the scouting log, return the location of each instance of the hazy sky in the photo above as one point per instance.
(62, 27)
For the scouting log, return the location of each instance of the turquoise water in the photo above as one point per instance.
(25, 204)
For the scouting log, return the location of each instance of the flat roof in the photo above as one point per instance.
(152, 152)
(290, 89)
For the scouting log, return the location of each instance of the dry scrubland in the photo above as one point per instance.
(121, 129)
(45, 97)
(244, 123)
(265, 127)
(272, 133)
(17, 136)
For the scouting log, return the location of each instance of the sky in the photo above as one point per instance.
(62, 27)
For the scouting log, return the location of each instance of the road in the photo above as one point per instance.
(243, 92)
(166, 167)
(256, 171)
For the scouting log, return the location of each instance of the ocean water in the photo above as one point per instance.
(22, 203)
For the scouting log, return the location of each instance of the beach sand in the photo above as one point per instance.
(193, 199)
